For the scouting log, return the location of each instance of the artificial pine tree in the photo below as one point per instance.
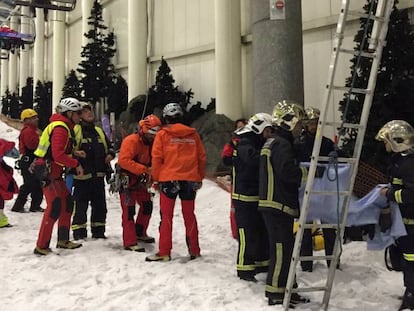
(27, 94)
(164, 92)
(72, 87)
(118, 95)
(96, 65)
(5, 103)
(15, 106)
(43, 102)
(394, 93)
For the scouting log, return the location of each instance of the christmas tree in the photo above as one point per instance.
(72, 87)
(43, 102)
(118, 95)
(27, 94)
(96, 65)
(394, 93)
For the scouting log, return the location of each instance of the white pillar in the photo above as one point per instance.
(228, 58)
(24, 53)
(58, 72)
(4, 74)
(86, 12)
(13, 60)
(137, 48)
(38, 49)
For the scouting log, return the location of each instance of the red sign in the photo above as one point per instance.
(280, 5)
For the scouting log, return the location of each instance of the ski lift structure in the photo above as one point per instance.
(11, 40)
(58, 5)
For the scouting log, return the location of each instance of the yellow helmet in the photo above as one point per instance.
(27, 113)
(399, 134)
(312, 113)
(286, 114)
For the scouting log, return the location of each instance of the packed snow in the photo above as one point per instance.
(103, 276)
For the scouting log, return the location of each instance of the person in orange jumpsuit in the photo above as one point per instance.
(135, 160)
(178, 165)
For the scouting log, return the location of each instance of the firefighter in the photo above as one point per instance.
(135, 163)
(252, 255)
(280, 179)
(304, 146)
(28, 141)
(398, 138)
(54, 154)
(178, 165)
(99, 153)
(227, 157)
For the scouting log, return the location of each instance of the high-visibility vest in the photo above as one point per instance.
(79, 137)
(44, 142)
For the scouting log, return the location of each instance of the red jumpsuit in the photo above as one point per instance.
(58, 198)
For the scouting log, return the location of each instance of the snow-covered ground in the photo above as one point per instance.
(102, 276)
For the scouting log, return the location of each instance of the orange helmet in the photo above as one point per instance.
(150, 124)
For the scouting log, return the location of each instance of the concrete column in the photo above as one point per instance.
(137, 48)
(277, 55)
(24, 53)
(13, 60)
(228, 58)
(58, 72)
(4, 74)
(38, 49)
(86, 12)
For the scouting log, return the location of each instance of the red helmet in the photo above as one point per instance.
(150, 124)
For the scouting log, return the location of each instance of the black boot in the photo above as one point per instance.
(18, 205)
(408, 301)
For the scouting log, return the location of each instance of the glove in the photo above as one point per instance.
(385, 220)
(368, 230)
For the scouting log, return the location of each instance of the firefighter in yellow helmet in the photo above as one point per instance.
(398, 138)
(304, 147)
(279, 182)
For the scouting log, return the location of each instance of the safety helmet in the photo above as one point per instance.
(172, 110)
(27, 113)
(86, 106)
(69, 104)
(399, 134)
(287, 114)
(256, 124)
(312, 113)
(151, 124)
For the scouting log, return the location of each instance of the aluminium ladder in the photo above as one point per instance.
(376, 41)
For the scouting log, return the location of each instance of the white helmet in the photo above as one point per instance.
(69, 104)
(256, 124)
(172, 110)
(287, 114)
(399, 134)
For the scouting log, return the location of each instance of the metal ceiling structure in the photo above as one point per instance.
(8, 6)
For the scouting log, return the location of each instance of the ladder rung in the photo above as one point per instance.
(323, 226)
(357, 53)
(321, 257)
(351, 90)
(339, 160)
(309, 289)
(346, 125)
(344, 193)
(365, 15)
